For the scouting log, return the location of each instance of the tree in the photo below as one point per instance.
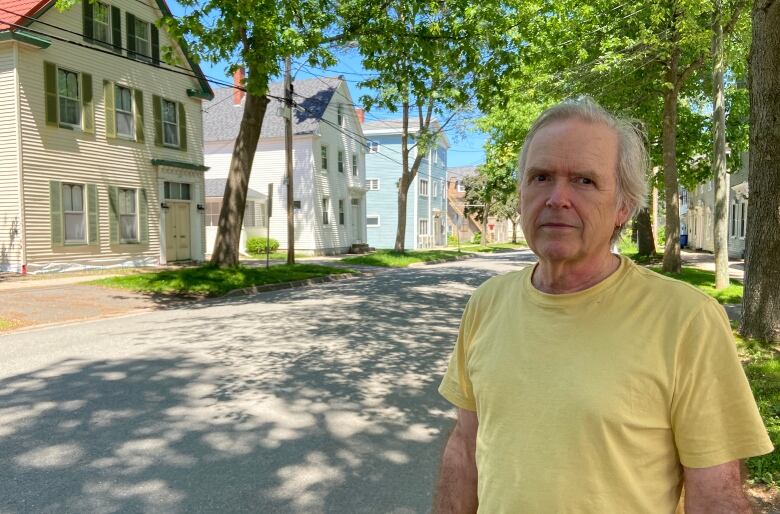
(509, 209)
(255, 36)
(761, 304)
(720, 226)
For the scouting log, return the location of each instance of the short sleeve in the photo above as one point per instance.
(714, 415)
(456, 385)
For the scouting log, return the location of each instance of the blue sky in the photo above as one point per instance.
(465, 143)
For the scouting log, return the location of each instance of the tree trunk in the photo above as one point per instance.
(654, 207)
(404, 183)
(761, 303)
(645, 240)
(483, 240)
(720, 237)
(231, 216)
(514, 230)
(672, 263)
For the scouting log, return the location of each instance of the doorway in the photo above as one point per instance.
(177, 232)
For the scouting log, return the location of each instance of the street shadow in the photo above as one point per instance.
(314, 400)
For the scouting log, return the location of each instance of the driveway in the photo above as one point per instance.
(314, 400)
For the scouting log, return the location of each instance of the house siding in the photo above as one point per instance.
(735, 242)
(53, 153)
(10, 222)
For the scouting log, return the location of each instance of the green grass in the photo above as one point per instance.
(490, 248)
(211, 281)
(391, 259)
(705, 281)
(762, 367)
(278, 255)
(629, 248)
(6, 324)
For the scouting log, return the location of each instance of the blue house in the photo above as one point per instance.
(426, 208)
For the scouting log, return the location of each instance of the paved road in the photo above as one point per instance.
(317, 400)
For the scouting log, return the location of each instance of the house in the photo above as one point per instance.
(101, 143)
(328, 164)
(426, 207)
(254, 224)
(700, 215)
(466, 227)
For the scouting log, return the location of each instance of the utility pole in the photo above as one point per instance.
(288, 150)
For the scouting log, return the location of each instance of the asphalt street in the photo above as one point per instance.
(315, 400)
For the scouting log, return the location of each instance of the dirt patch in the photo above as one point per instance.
(765, 500)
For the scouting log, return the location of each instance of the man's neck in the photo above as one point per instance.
(566, 277)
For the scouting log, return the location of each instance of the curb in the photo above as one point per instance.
(290, 285)
(442, 261)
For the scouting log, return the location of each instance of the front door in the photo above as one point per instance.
(356, 220)
(177, 232)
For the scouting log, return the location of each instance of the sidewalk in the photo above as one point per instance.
(706, 261)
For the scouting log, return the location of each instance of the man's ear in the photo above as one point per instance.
(622, 214)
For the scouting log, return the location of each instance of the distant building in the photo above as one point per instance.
(463, 226)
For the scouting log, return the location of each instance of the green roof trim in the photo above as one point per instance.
(194, 93)
(24, 37)
(179, 164)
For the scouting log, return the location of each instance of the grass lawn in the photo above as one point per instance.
(7, 324)
(391, 259)
(279, 256)
(211, 281)
(762, 367)
(491, 248)
(705, 280)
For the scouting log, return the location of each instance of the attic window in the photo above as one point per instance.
(340, 117)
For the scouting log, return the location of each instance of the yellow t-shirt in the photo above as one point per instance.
(589, 402)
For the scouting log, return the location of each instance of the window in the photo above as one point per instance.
(341, 212)
(176, 191)
(372, 220)
(101, 22)
(354, 165)
(733, 231)
(340, 161)
(128, 216)
(435, 155)
(249, 214)
(324, 158)
(423, 187)
(69, 98)
(325, 211)
(142, 46)
(340, 117)
(435, 189)
(297, 204)
(683, 197)
(742, 219)
(372, 184)
(125, 124)
(373, 147)
(170, 122)
(73, 211)
(460, 186)
(423, 227)
(212, 212)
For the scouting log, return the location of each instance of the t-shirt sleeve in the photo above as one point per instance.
(714, 415)
(456, 385)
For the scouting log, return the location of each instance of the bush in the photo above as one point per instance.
(477, 238)
(257, 244)
(661, 236)
(452, 240)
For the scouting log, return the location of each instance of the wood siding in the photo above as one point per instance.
(54, 153)
(10, 222)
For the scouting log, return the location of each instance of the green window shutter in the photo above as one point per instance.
(55, 210)
(108, 95)
(182, 127)
(155, 44)
(116, 29)
(87, 104)
(130, 22)
(113, 214)
(143, 212)
(138, 111)
(50, 85)
(92, 213)
(157, 109)
(87, 9)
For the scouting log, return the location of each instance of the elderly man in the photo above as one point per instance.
(585, 383)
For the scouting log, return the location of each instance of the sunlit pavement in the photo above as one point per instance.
(316, 400)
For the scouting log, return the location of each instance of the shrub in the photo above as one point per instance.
(661, 236)
(257, 244)
(452, 240)
(477, 238)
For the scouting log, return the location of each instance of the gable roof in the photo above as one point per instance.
(25, 9)
(222, 117)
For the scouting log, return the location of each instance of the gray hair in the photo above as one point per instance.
(632, 161)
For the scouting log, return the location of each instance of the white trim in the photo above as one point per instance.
(79, 101)
(20, 158)
(163, 122)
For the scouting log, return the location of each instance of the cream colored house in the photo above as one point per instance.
(101, 145)
(329, 186)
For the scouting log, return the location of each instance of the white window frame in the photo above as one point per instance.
(83, 213)
(168, 190)
(120, 214)
(96, 23)
(325, 211)
(369, 182)
(342, 215)
(368, 225)
(354, 165)
(77, 99)
(212, 217)
(423, 187)
(373, 147)
(324, 158)
(340, 116)
(175, 124)
(145, 42)
(340, 161)
(420, 223)
(130, 113)
(743, 219)
(460, 187)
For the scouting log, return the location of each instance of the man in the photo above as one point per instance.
(588, 384)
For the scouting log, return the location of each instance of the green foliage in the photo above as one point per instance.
(661, 236)
(476, 238)
(494, 185)
(393, 259)
(452, 240)
(212, 281)
(705, 281)
(258, 245)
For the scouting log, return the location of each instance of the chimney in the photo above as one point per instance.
(238, 81)
(361, 115)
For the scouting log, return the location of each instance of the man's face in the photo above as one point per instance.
(568, 193)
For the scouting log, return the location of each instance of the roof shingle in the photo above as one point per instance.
(20, 9)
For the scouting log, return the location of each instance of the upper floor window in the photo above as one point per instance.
(142, 43)
(68, 91)
(354, 165)
(373, 147)
(101, 22)
(324, 158)
(170, 121)
(460, 187)
(340, 161)
(73, 211)
(325, 208)
(125, 122)
(423, 187)
(340, 117)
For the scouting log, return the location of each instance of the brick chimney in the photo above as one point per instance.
(238, 81)
(361, 115)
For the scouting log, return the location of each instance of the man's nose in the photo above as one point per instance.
(559, 195)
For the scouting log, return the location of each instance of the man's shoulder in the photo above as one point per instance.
(500, 286)
(657, 287)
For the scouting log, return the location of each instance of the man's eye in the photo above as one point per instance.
(584, 181)
(539, 178)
